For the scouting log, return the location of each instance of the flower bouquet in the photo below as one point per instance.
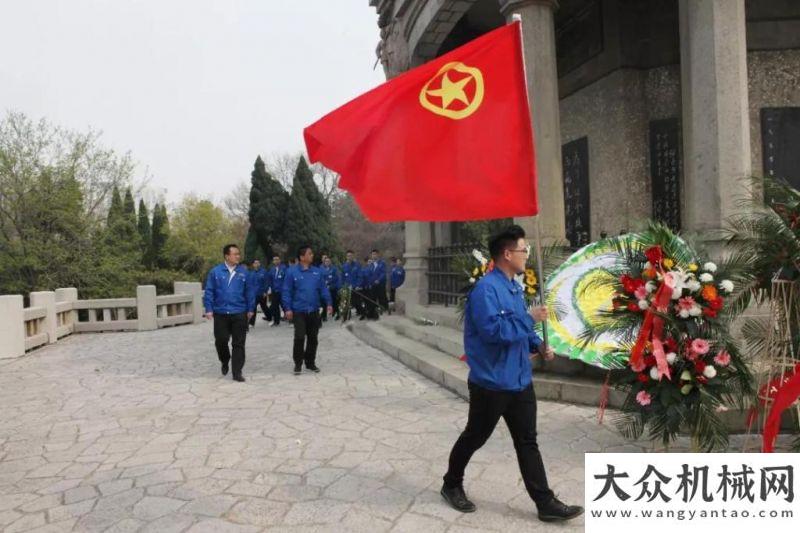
(683, 368)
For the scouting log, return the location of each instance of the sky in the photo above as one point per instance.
(194, 89)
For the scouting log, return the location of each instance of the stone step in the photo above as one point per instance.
(451, 373)
(451, 341)
(431, 351)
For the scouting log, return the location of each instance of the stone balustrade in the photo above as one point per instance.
(53, 315)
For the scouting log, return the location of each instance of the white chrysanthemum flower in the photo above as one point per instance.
(683, 313)
(686, 376)
(472, 280)
(710, 372)
(705, 277)
(710, 267)
(693, 285)
(695, 311)
(650, 286)
(726, 285)
(648, 265)
(671, 357)
(677, 292)
(654, 373)
(643, 304)
(479, 256)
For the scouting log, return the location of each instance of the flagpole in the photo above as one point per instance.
(516, 17)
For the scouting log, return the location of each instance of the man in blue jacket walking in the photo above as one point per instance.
(260, 286)
(377, 286)
(398, 277)
(229, 300)
(333, 281)
(275, 276)
(303, 291)
(499, 341)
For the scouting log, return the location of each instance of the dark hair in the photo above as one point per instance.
(502, 241)
(393, 259)
(301, 251)
(350, 252)
(226, 250)
(376, 251)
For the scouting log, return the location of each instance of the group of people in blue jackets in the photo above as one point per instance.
(307, 295)
(368, 281)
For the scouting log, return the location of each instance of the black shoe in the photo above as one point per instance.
(265, 318)
(362, 317)
(457, 499)
(297, 370)
(313, 368)
(556, 511)
(238, 377)
(225, 368)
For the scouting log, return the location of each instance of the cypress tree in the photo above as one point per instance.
(268, 208)
(160, 234)
(115, 209)
(300, 219)
(143, 226)
(129, 207)
(321, 225)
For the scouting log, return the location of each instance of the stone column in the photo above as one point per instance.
(716, 128)
(12, 326)
(414, 291)
(195, 288)
(539, 37)
(69, 294)
(146, 307)
(47, 299)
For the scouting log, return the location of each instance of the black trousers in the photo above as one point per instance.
(378, 296)
(392, 294)
(225, 327)
(518, 409)
(275, 307)
(306, 329)
(262, 301)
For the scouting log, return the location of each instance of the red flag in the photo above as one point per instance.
(449, 140)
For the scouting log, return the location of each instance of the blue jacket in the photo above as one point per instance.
(377, 273)
(332, 279)
(398, 276)
(350, 270)
(259, 281)
(275, 277)
(359, 276)
(304, 290)
(498, 334)
(221, 297)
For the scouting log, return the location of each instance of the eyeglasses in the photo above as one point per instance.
(526, 250)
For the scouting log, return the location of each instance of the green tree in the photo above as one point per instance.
(318, 229)
(268, 210)
(159, 237)
(300, 219)
(252, 248)
(115, 209)
(199, 231)
(129, 207)
(143, 226)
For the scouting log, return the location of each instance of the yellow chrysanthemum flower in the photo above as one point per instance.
(668, 263)
(531, 290)
(693, 267)
(475, 272)
(483, 269)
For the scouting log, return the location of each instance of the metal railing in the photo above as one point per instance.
(446, 283)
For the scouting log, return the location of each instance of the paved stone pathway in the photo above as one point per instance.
(140, 432)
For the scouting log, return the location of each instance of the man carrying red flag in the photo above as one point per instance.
(452, 140)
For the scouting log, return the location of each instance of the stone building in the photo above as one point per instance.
(641, 108)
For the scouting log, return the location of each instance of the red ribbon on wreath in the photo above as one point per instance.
(653, 328)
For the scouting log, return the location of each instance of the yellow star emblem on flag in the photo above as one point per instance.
(450, 91)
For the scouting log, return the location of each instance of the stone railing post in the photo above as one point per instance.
(69, 294)
(12, 326)
(146, 307)
(47, 299)
(194, 288)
